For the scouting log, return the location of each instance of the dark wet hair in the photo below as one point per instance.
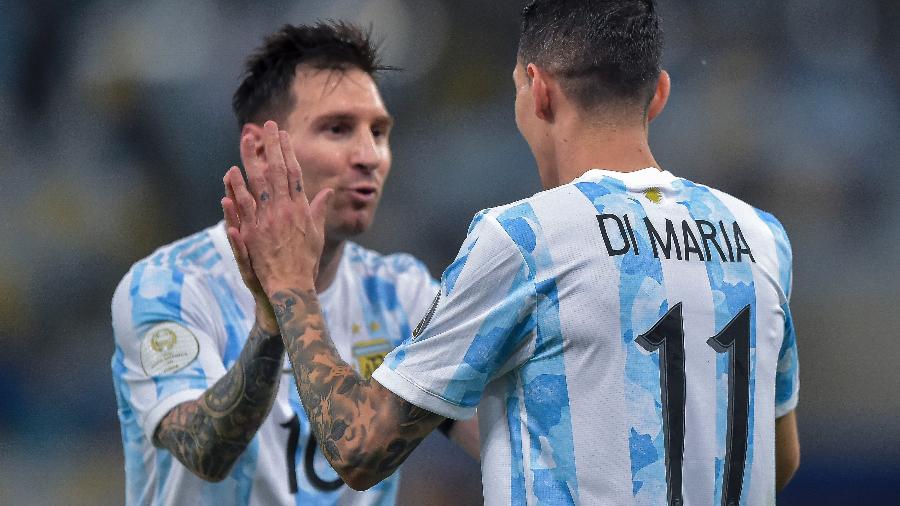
(265, 90)
(602, 51)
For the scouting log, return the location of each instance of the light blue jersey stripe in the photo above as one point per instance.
(194, 256)
(732, 289)
(782, 250)
(233, 317)
(175, 256)
(453, 271)
(546, 393)
(163, 467)
(165, 304)
(517, 461)
(497, 337)
(245, 470)
(640, 287)
(787, 373)
(132, 435)
(378, 299)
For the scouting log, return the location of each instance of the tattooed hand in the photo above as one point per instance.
(282, 232)
(365, 430)
(265, 315)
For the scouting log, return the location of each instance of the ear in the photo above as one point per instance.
(540, 92)
(660, 96)
(256, 133)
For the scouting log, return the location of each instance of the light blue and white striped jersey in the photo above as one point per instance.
(626, 339)
(181, 317)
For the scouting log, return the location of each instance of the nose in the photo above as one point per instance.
(367, 154)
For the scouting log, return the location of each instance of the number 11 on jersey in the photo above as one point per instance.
(667, 336)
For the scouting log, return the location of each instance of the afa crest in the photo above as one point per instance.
(370, 354)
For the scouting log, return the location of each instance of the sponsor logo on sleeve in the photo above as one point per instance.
(168, 348)
(425, 321)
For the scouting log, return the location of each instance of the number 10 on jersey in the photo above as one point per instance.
(667, 336)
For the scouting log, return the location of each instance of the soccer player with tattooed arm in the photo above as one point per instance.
(626, 334)
(207, 402)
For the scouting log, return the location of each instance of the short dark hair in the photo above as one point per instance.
(265, 89)
(602, 51)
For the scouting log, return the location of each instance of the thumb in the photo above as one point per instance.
(318, 208)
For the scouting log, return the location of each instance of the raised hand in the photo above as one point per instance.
(365, 430)
(265, 315)
(277, 229)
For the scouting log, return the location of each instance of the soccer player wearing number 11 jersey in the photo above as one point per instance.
(625, 334)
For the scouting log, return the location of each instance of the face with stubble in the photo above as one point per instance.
(339, 128)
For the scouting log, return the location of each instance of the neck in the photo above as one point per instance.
(579, 147)
(328, 265)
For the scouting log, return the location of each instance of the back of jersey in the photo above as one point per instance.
(626, 338)
(672, 301)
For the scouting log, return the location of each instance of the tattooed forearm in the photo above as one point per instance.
(365, 431)
(209, 434)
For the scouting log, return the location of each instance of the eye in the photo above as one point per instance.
(339, 128)
(381, 130)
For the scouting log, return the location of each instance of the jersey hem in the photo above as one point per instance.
(414, 394)
(161, 409)
(787, 407)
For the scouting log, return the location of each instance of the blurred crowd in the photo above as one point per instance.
(116, 129)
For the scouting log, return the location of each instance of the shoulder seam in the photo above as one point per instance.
(512, 243)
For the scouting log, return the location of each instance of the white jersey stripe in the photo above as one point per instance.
(700, 360)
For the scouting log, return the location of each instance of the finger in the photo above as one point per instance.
(255, 167)
(232, 241)
(229, 209)
(318, 208)
(229, 194)
(276, 172)
(294, 173)
(246, 206)
(241, 255)
(234, 178)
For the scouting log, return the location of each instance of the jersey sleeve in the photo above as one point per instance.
(166, 348)
(416, 289)
(787, 376)
(478, 326)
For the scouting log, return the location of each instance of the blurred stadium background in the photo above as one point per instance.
(116, 129)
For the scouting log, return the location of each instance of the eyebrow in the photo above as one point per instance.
(382, 119)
